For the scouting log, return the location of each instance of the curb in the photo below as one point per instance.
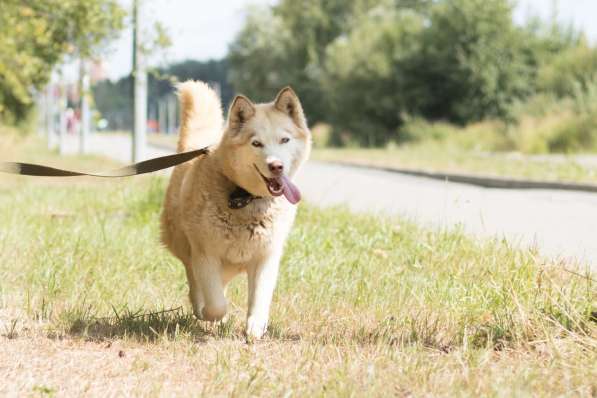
(480, 180)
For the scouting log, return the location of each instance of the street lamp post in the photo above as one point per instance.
(140, 90)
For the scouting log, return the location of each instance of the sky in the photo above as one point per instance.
(202, 29)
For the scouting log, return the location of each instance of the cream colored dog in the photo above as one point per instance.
(230, 211)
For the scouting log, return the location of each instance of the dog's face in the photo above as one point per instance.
(265, 144)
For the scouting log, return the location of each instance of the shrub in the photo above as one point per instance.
(418, 129)
(322, 135)
(572, 69)
(547, 124)
(577, 134)
(488, 135)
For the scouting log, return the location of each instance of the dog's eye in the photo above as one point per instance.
(284, 140)
(257, 144)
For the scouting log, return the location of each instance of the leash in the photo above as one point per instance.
(237, 199)
(146, 166)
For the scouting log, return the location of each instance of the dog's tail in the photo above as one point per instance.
(200, 116)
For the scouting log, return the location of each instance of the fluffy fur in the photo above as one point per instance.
(216, 243)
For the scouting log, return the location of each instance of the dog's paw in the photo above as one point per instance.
(256, 328)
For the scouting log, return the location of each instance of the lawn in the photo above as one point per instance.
(91, 304)
(434, 158)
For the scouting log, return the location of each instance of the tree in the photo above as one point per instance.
(113, 98)
(472, 63)
(367, 76)
(214, 71)
(259, 57)
(286, 45)
(36, 35)
(366, 65)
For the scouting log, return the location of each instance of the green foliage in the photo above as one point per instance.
(114, 102)
(258, 56)
(368, 66)
(472, 63)
(542, 123)
(546, 123)
(35, 35)
(571, 70)
(286, 45)
(489, 135)
(114, 99)
(367, 78)
(576, 134)
(460, 60)
(214, 71)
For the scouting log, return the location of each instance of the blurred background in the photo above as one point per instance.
(466, 76)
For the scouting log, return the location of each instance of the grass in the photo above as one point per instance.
(90, 303)
(437, 158)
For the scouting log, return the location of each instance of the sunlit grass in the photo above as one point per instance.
(364, 306)
(436, 158)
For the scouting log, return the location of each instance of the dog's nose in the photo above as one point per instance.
(276, 167)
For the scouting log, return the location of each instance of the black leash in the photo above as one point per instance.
(146, 166)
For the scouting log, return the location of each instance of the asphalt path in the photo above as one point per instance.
(561, 224)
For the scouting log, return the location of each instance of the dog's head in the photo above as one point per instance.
(265, 144)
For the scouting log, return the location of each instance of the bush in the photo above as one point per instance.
(577, 134)
(572, 70)
(563, 132)
(546, 124)
(420, 130)
(322, 135)
(365, 76)
(488, 135)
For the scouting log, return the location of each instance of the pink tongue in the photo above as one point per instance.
(291, 192)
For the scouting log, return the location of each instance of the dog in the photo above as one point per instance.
(230, 211)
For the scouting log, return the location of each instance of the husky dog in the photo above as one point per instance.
(230, 211)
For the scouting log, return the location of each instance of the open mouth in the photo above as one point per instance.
(281, 186)
(274, 185)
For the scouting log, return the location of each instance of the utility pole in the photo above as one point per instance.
(162, 116)
(171, 114)
(140, 89)
(63, 120)
(50, 115)
(85, 112)
(40, 106)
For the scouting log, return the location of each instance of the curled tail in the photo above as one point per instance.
(200, 116)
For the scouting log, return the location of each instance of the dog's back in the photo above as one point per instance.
(201, 126)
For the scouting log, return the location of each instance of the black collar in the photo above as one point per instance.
(240, 198)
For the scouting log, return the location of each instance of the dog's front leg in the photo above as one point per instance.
(262, 281)
(207, 275)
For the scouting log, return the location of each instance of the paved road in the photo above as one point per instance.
(561, 224)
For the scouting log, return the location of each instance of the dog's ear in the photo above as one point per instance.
(288, 102)
(241, 110)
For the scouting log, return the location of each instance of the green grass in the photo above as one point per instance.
(90, 303)
(447, 159)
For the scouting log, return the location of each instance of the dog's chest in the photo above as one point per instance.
(240, 238)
